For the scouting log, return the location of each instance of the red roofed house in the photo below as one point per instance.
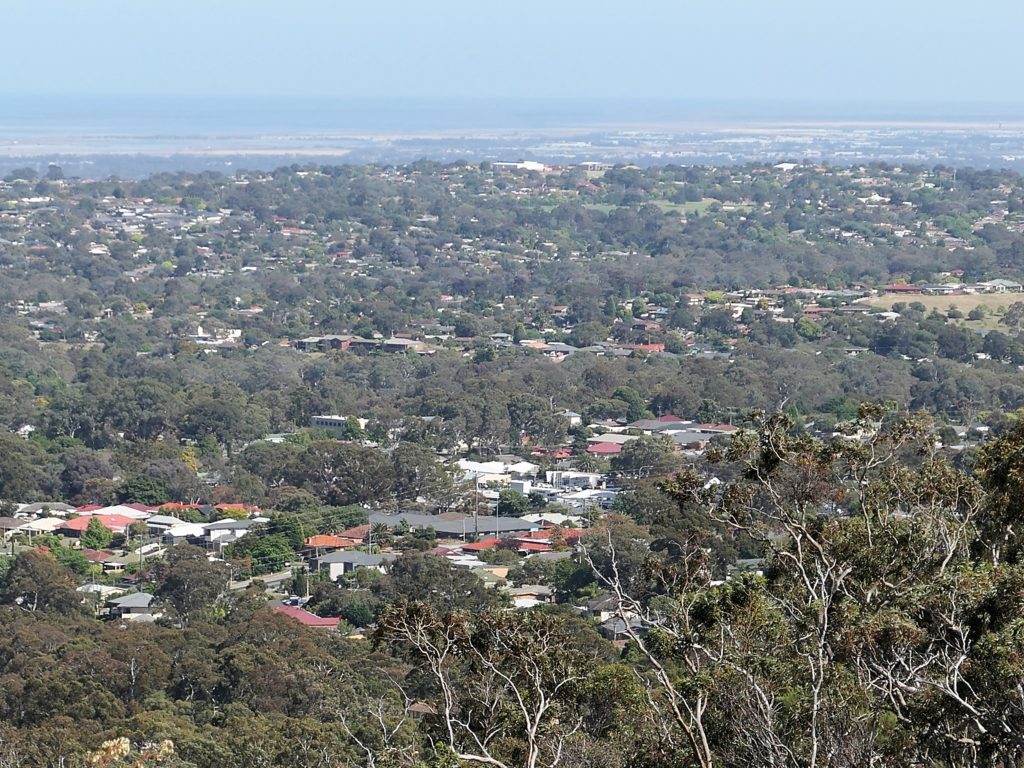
(306, 618)
(174, 506)
(542, 535)
(480, 546)
(556, 454)
(357, 534)
(326, 542)
(604, 449)
(545, 535)
(533, 546)
(96, 556)
(247, 508)
(142, 507)
(116, 523)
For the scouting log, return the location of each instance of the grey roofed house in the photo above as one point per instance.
(552, 556)
(655, 425)
(557, 346)
(134, 600)
(163, 522)
(230, 524)
(53, 507)
(354, 557)
(602, 604)
(8, 524)
(616, 629)
(131, 604)
(337, 564)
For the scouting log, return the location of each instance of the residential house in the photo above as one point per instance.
(529, 595)
(1000, 285)
(337, 425)
(46, 508)
(229, 529)
(405, 345)
(41, 525)
(137, 606)
(158, 525)
(604, 449)
(306, 618)
(337, 564)
(619, 631)
(76, 526)
(9, 526)
(603, 608)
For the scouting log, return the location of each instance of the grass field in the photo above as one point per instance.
(965, 303)
(995, 303)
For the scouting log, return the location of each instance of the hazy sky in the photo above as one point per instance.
(937, 51)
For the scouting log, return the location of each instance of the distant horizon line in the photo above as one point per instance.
(764, 103)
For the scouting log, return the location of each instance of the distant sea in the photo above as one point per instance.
(30, 117)
(134, 136)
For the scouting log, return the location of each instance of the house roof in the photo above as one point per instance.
(124, 510)
(117, 523)
(354, 558)
(45, 506)
(328, 540)
(11, 523)
(43, 524)
(604, 448)
(533, 546)
(165, 520)
(612, 437)
(141, 507)
(480, 546)
(231, 524)
(530, 589)
(454, 524)
(134, 600)
(357, 532)
(303, 616)
(602, 603)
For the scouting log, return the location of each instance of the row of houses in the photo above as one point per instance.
(346, 342)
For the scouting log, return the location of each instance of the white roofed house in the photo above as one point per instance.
(119, 509)
(1001, 285)
(41, 525)
(223, 532)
